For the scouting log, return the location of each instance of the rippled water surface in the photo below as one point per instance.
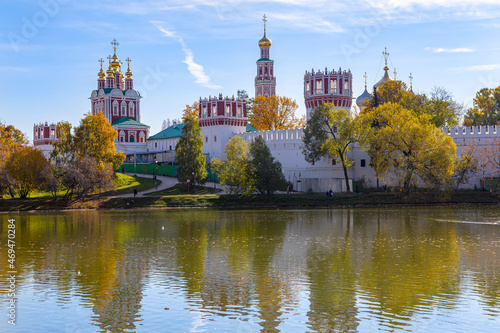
(353, 270)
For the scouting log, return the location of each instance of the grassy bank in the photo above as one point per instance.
(182, 188)
(294, 200)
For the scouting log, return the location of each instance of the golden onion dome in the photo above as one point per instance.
(101, 74)
(110, 71)
(128, 74)
(265, 42)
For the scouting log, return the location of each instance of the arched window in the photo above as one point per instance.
(124, 109)
(214, 110)
(228, 110)
(115, 108)
(131, 109)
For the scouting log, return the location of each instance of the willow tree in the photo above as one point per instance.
(189, 152)
(331, 132)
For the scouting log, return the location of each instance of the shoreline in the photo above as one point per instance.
(236, 202)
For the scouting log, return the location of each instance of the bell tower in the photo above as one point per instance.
(265, 81)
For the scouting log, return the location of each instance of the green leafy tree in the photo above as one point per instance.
(267, 172)
(26, 167)
(486, 110)
(189, 152)
(444, 110)
(242, 94)
(235, 172)
(413, 147)
(331, 132)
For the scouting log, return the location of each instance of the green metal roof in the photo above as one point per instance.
(124, 121)
(168, 133)
(264, 59)
(108, 90)
(250, 128)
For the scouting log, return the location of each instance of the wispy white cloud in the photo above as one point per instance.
(477, 68)
(194, 68)
(456, 50)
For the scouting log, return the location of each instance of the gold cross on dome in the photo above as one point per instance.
(110, 58)
(265, 20)
(366, 78)
(411, 80)
(128, 60)
(386, 54)
(115, 44)
(395, 73)
(101, 61)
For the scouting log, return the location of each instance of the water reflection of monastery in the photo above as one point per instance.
(222, 118)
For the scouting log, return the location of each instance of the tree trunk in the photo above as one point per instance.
(345, 174)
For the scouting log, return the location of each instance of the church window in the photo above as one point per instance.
(52, 133)
(115, 110)
(131, 111)
(204, 110)
(156, 144)
(214, 110)
(228, 110)
(363, 163)
(206, 139)
(346, 86)
(240, 114)
(215, 138)
(260, 71)
(265, 70)
(308, 86)
(124, 110)
(334, 162)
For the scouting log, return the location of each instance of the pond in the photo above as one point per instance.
(345, 270)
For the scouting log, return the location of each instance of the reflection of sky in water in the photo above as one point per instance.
(291, 271)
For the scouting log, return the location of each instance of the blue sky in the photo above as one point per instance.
(183, 50)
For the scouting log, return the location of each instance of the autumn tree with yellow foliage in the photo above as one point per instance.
(274, 112)
(191, 110)
(11, 140)
(416, 150)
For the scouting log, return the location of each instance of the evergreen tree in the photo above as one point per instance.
(267, 173)
(189, 153)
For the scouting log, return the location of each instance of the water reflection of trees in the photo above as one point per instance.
(397, 263)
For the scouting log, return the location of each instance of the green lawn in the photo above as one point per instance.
(126, 184)
(180, 189)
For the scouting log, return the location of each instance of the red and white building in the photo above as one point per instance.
(220, 119)
(44, 135)
(116, 98)
(265, 81)
(327, 87)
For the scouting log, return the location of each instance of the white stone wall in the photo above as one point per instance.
(286, 147)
